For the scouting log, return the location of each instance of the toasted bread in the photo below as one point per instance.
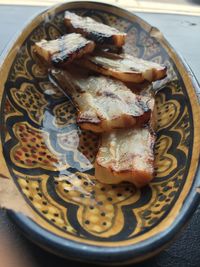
(103, 103)
(126, 155)
(98, 32)
(124, 67)
(64, 50)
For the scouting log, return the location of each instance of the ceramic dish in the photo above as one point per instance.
(51, 161)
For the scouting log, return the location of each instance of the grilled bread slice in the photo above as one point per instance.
(103, 103)
(126, 155)
(98, 32)
(124, 67)
(64, 50)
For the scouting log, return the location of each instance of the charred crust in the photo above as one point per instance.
(101, 38)
(62, 58)
(116, 39)
(110, 95)
(81, 119)
(143, 119)
(159, 74)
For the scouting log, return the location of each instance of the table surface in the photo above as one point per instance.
(183, 32)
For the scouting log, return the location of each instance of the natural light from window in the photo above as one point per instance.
(190, 7)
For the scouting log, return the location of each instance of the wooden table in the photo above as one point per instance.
(183, 32)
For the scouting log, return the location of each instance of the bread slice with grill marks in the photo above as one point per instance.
(126, 155)
(96, 31)
(103, 104)
(124, 67)
(63, 50)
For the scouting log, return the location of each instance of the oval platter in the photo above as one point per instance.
(51, 161)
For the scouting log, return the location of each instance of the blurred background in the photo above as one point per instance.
(190, 7)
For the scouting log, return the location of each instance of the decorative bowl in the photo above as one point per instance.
(51, 161)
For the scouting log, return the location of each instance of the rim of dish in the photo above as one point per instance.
(93, 253)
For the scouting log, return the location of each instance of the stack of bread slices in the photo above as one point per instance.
(109, 89)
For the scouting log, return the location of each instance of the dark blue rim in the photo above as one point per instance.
(115, 255)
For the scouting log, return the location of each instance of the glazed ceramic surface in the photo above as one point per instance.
(51, 160)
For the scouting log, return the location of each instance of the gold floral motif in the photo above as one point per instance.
(53, 32)
(10, 110)
(130, 46)
(150, 45)
(163, 194)
(167, 111)
(31, 100)
(183, 128)
(99, 205)
(64, 114)
(120, 24)
(39, 71)
(20, 69)
(34, 189)
(33, 149)
(58, 21)
(50, 89)
(165, 162)
(38, 34)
